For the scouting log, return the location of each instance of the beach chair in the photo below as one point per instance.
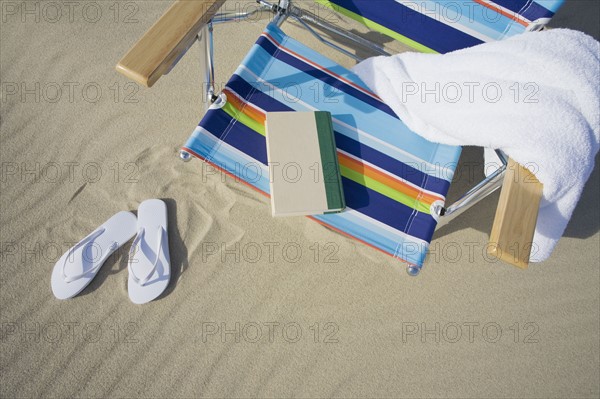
(395, 182)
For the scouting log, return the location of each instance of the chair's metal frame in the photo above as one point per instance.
(283, 10)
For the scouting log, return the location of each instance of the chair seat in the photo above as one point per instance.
(392, 178)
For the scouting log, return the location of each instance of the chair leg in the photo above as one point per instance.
(486, 187)
(205, 38)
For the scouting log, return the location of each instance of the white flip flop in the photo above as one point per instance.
(149, 265)
(80, 264)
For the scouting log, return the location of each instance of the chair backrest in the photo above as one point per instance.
(440, 26)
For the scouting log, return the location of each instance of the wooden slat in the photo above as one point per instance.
(167, 40)
(516, 216)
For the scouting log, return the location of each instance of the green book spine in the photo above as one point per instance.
(330, 165)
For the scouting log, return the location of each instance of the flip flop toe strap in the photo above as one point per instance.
(91, 237)
(135, 246)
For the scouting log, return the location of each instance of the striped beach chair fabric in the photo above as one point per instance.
(392, 178)
(440, 26)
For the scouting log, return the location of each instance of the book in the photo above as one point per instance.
(304, 173)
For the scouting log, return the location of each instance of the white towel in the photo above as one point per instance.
(536, 96)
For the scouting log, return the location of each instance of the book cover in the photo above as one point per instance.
(303, 165)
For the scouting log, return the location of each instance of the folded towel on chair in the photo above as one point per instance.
(535, 96)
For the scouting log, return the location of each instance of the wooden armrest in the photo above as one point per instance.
(166, 41)
(516, 216)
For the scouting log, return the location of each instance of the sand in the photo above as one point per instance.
(257, 307)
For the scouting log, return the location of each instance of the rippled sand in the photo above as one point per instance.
(257, 307)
